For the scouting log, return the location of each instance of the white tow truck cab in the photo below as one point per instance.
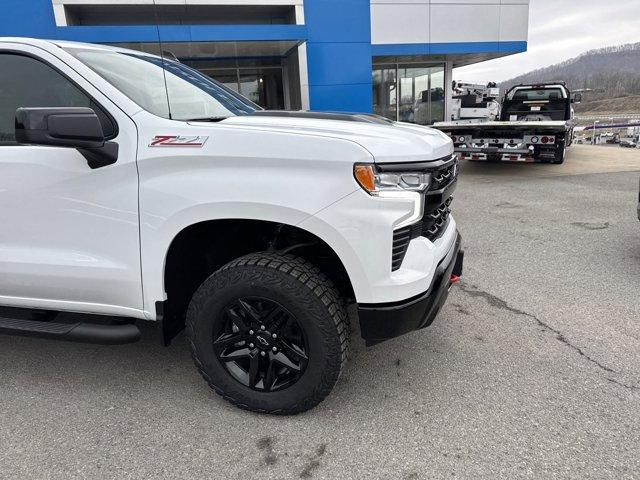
(135, 188)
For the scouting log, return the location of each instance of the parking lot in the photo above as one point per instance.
(531, 371)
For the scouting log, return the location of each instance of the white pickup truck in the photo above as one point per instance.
(134, 188)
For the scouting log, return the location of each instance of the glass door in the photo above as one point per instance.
(411, 93)
(414, 99)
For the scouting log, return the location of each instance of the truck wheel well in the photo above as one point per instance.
(201, 249)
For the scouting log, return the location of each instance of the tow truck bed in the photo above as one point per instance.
(555, 125)
(535, 125)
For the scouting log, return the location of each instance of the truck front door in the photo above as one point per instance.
(69, 235)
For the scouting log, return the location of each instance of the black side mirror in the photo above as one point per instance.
(577, 98)
(63, 127)
(66, 127)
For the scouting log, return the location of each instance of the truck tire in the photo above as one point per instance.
(561, 152)
(269, 333)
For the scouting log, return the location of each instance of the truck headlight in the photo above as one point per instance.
(376, 183)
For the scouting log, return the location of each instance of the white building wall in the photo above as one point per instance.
(448, 21)
(514, 21)
(400, 22)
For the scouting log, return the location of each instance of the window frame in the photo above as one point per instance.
(104, 110)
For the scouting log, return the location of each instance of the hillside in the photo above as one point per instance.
(613, 71)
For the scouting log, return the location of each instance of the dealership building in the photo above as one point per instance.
(391, 57)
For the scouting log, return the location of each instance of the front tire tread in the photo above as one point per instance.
(316, 282)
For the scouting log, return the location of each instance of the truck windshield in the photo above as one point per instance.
(540, 94)
(164, 87)
(540, 103)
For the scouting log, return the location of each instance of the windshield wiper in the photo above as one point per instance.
(206, 119)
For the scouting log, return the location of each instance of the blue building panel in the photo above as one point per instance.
(339, 54)
(333, 63)
(461, 48)
(342, 21)
(31, 18)
(342, 98)
(451, 48)
(227, 33)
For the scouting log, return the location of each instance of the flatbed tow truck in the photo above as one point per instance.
(535, 125)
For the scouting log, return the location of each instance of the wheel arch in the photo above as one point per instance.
(202, 245)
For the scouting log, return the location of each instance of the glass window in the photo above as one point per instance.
(436, 95)
(384, 92)
(27, 82)
(533, 94)
(411, 93)
(263, 86)
(227, 77)
(414, 104)
(165, 88)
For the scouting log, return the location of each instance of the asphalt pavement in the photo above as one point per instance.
(532, 370)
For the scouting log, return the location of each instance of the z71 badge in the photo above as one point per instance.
(178, 141)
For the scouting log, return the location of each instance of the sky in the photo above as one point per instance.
(560, 30)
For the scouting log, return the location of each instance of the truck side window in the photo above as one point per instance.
(27, 82)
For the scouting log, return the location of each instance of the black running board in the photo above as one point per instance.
(72, 332)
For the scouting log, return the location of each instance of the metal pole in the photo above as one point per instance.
(593, 133)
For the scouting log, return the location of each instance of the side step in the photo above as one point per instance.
(72, 332)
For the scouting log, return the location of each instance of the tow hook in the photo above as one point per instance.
(454, 279)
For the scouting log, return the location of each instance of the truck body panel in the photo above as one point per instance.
(68, 242)
(180, 186)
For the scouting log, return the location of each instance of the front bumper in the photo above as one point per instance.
(382, 321)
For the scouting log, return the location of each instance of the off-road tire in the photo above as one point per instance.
(308, 294)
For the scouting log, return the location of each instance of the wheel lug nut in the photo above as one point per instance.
(274, 335)
(275, 349)
(262, 327)
(262, 353)
(251, 332)
(251, 345)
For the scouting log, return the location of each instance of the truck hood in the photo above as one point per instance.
(387, 141)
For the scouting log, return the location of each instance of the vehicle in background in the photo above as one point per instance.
(611, 137)
(535, 125)
(628, 144)
(475, 101)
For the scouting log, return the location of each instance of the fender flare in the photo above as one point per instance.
(156, 242)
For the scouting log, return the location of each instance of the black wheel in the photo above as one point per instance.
(561, 152)
(269, 333)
